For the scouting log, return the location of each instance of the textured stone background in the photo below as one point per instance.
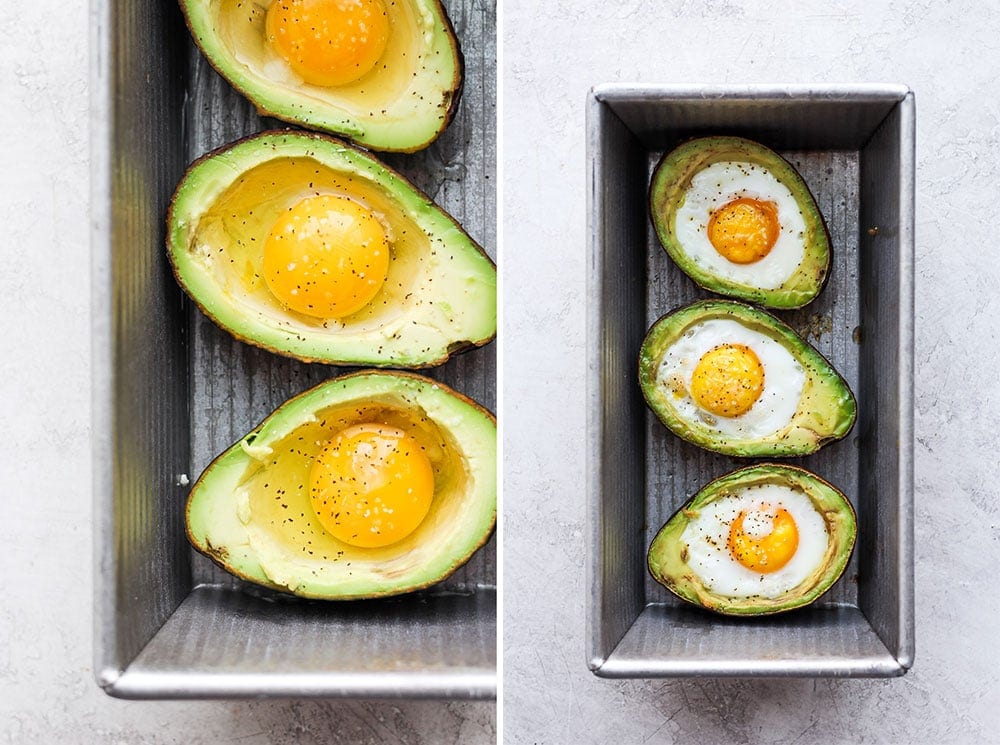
(553, 53)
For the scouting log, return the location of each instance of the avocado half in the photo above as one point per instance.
(826, 410)
(671, 179)
(250, 510)
(667, 557)
(402, 105)
(440, 293)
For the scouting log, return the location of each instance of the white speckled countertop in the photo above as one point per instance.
(553, 53)
(47, 689)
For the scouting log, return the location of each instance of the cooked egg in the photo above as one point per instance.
(738, 221)
(732, 379)
(761, 541)
(371, 485)
(326, 257)
(328, 42)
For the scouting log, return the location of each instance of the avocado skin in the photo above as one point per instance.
(367, 128)
(672, 176)
(213, 494)
(826, 413)
(667, 565)
(227, 163)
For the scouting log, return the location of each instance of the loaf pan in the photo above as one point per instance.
(854, 145)
(172, 391)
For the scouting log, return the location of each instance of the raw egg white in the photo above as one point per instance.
(738, 221)
(732, 379)
(762, 541)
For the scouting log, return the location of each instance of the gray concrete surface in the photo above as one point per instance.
(553, 52)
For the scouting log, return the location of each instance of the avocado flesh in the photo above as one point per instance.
(826, 410)
(250, 510)
(401, 105)
(667, 562)
(673, 176)
(440, 292)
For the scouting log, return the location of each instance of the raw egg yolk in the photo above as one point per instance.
(767, 553)
(727, 380)
(744, 230)
(326, 257)
(371, 485)
(328, 42)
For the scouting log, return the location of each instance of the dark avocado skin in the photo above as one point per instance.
(827, 411)
(666, 559)
(673, 175)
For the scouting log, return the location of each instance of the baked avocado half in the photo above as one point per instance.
(368, 485)
(393, 85)
(306, 246)
(739, 220)
(756, 541)
(734, 379)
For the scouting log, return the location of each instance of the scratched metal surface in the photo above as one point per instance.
(677, 469)
(234, 385)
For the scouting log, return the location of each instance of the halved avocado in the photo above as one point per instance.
(440, 292)
(250, 511)
(670, 183)
(825, 412)
(401, 105)
(669, 552)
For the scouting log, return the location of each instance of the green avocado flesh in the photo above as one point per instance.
(250, 511)
(401, 105)
(667, 194)
(825, 411)
(440, 292)
(669, 551)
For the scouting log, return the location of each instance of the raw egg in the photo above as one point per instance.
(328, 42)
(371, 485)
(326, 256)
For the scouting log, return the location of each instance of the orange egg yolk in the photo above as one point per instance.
(326, 257)
(768, 553)
(371, 485)
(744, 230)
(328, 42)
(727, 380)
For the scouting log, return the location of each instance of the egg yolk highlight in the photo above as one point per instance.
(328, 42)
(744, 230)
(326, 257)
(727, 380)
(767, 553)
(371, 485)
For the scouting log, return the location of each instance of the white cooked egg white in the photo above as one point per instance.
(718, 185)
(709, 558)
(784, 379)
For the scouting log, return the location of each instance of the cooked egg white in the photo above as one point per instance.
(777, 395)
(727, 183)
(718, 555)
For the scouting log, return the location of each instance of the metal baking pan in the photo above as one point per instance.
(172, 390)
(854, 145)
